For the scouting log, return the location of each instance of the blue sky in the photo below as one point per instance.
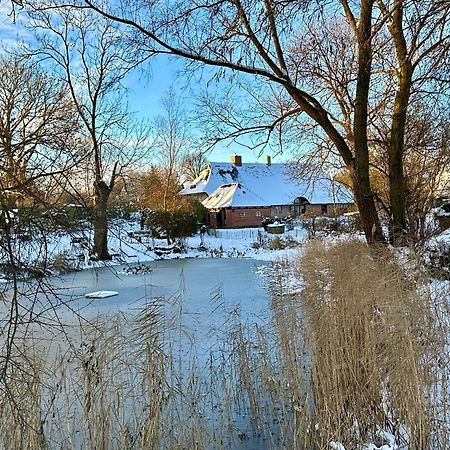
(145, 89)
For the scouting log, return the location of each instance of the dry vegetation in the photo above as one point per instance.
(377, 334)
(361, 349)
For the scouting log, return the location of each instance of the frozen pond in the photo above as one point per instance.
(199, 283)
(212, 301)
(206, 295)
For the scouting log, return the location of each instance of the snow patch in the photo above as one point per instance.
(102, 294)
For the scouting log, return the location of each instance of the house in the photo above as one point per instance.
(241, 194)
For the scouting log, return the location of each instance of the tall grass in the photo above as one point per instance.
(377, 342)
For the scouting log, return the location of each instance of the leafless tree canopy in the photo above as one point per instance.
(89, 55)
(38, 132)
(192, 164)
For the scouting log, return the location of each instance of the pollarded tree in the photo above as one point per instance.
(393, 49)
(89, 54)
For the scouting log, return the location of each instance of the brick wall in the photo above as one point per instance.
(281, 211)
(337, 208)
(241, 217)
(252, 217)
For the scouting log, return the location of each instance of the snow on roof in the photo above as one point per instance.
(234, 194)
(258, 184)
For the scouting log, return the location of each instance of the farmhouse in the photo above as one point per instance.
(241, 194)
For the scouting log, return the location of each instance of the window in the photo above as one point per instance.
(242, 213)
(277, 209)
(258, 213)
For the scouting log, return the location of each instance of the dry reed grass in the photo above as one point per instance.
(376, 345)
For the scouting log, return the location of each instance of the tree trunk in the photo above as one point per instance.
(365, 203)
(397, 185)
(397, 193)
(360, 171)
(101, 196)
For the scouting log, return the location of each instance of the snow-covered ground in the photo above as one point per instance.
(127, 246)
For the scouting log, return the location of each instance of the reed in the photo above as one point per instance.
(377, 345)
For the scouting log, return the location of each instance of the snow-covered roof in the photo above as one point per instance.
(259, 184)
(234, 194)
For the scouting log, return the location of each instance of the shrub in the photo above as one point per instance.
(172, 224)
(291, 242)
(276, 244)
(61, 262)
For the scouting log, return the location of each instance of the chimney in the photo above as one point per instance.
(267, 160)
(236, 160)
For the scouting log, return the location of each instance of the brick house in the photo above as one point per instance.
(240, 194)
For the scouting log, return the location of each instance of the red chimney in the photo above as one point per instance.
(236, 160)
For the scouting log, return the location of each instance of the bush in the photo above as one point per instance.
(276, 244)
(199, 210)
(171, 224)
(61, 262)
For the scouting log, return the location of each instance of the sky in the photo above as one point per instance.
(146, 87)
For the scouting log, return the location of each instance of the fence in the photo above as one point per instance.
(254, 233)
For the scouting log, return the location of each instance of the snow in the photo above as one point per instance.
(440, 212)
(258, 184)
(389, 438)
(234, 194)
(101, 294)
(126, 249)
(336, 446)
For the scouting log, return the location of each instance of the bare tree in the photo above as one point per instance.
(396, 49)
(171, 142)
(39, 144)
(91, 58)
(38, 132)
(421, 44)
(192, 164)
(426, 157)
(408, 45)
